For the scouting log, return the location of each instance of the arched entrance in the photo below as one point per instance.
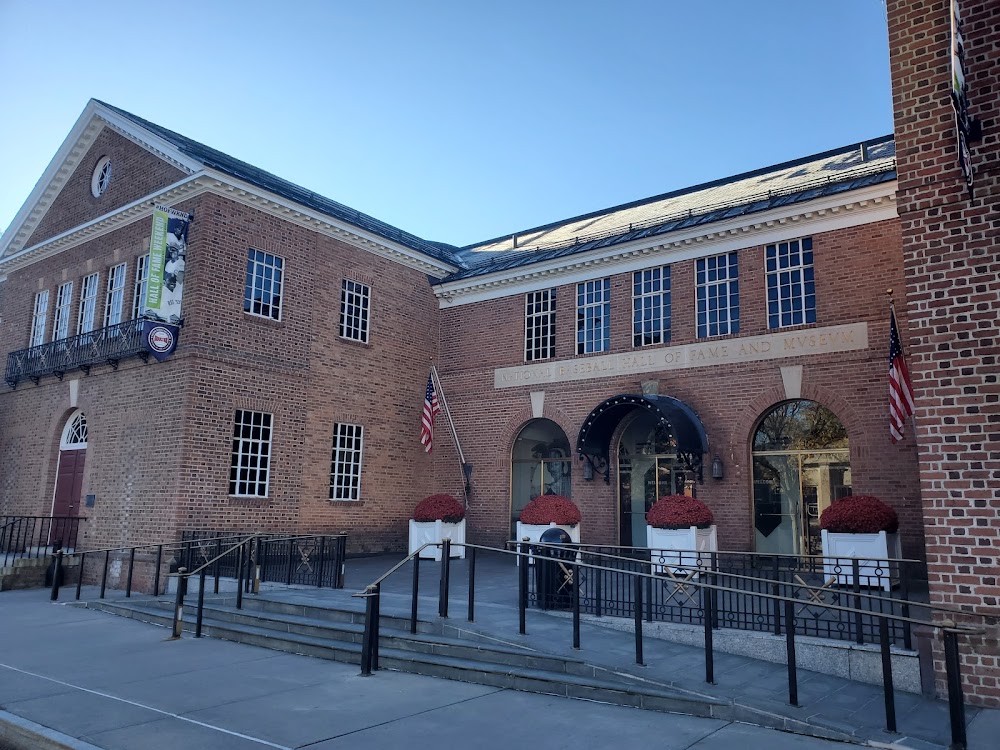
(69, 472)
(801, 463)
(541, 464)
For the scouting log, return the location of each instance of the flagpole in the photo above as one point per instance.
(454, 433)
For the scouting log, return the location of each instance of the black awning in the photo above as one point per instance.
(595, 435)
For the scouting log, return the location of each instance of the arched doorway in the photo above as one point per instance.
(541, 464)
(69, 472)
(801, 463)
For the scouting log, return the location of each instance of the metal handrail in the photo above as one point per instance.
(188, 574)
(394, 568)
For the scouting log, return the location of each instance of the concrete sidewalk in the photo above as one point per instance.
(77, 678)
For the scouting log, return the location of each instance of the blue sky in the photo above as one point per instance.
(458, 121)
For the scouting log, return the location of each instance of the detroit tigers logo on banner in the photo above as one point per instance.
(167, 258)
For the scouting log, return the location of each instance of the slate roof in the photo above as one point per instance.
(221, 162)
(784, 184)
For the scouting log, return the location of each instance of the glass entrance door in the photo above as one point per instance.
(647, 470)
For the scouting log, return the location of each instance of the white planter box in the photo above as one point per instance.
(874, 571)
(534, 533)
(673, 548)
(424, 532)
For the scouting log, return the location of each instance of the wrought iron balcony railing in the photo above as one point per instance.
(103, 346)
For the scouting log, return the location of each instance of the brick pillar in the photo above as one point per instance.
(951, 247)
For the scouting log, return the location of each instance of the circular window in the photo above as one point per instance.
(102, 176)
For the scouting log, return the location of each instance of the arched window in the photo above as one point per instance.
(541, 464)
(74, 435)
(647, 470)
(801, 463)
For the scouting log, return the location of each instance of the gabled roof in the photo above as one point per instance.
(849, 168)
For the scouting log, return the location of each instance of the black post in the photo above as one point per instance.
(79, 575)
(156, 573)
(239, 578)
(56, 574)
(218, 562)
(793, 679)
(201, 603)
(179, 604)
(378, 625)
(471, 552)
(131, 567)
(291, 549)
(415, 593)
(638, 619)
(887, 689)
(250, 566)
(598, 588)
(319, 567)
(522, 588)
(776, 591)
(575, 572)
(714, 577)
(649, 596)
(904, 586)
(856, 571)
(708, 607)
(366, 639)
(104, 575)
(956, 701)
(445, 578)
(341, 560)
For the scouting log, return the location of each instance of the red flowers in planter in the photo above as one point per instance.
(439, 508)
(679, 512)
(546, 509)
(859, 514)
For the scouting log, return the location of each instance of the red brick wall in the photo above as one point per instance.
(952, 267)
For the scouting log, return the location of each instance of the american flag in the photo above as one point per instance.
(900, 388)
(431, 410)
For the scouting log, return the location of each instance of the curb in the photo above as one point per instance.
(21, 734)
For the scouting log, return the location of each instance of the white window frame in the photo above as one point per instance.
(651, 294)
(265, 273)
(60, 322)
(39, 317)
(539, 325)
(101, 177)
(731, 285)
(87, 317)
(345, 461)
(355, 311)
(114, 302)
(790, 285)
(141, 285)
(593, 316)
(251, 452)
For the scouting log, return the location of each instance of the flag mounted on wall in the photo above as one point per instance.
(431, 409)
(900, 388)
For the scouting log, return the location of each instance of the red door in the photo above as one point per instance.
(69, 483)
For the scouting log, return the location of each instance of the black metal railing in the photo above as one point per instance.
(102, 346)
(37, 536)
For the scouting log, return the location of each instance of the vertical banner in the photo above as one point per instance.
(167, 255)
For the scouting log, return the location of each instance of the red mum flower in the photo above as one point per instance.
(439, 508)
(859, 514)
(679, 512)
(546, 509)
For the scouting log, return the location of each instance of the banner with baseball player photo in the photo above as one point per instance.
(167, 255)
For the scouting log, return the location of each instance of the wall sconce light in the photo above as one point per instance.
(588, 470)
(717, 472)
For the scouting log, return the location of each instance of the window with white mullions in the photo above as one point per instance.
(345, 462)
(718, 295)
(262, 295)
(355, 299)
(38, 318)
(60, 324)
(88, 304)
(539, 325)
(141, 285)
(250, 465)
(116, 295)
(791, 287)
(593, 316)
(651, 306)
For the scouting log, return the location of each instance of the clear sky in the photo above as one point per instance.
(456, 120)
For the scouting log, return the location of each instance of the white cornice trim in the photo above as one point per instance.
(849, 209)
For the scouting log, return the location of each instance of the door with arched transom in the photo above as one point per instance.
(69, 472)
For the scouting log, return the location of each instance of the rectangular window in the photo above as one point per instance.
(791, 289)
(718, 295)
(651, 306)
(539, 325)
(60, 325)
(593, 316)
(141, 285)
(88, 304)
(355, 298)
(116, 295)
(345, 464)
(262, 295)
(38, 318)
(250, 467)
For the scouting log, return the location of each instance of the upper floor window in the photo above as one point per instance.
(60, 325)
(263, 287)
(791, 290)
(345, 463)
(116, 295)
(718, 295)
(101, 178)
(38, 318)
(593, 316)
(651, 306)
(355, 299)
(539, 325)
(250, 465)
(141, 285)
(88, 304)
